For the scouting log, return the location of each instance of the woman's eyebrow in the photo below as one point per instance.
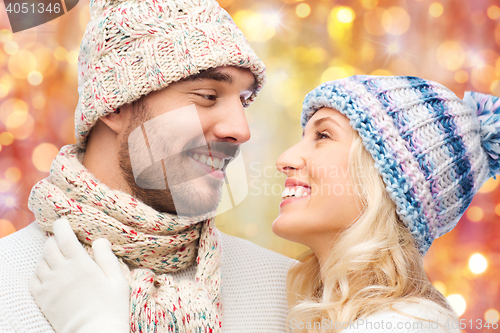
(319, 121)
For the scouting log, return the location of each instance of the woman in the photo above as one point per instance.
(385, 166)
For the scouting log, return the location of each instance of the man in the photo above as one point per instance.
(163, 86)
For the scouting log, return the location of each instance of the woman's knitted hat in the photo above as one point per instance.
(433, 150)
(131, 48)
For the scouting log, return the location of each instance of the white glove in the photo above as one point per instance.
(77, 294)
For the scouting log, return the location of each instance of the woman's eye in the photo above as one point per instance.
(321, 135)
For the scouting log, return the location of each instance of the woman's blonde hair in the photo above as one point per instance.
(373, 264)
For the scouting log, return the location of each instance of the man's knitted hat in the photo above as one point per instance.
(433, 150)
(131, 48)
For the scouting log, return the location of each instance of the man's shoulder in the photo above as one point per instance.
(23, 245)
(253, 286)
(19, 253)
(246, 262)
(244, 251)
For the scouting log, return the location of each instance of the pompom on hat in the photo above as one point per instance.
(131, 48)
(433, 150)
(488, 111)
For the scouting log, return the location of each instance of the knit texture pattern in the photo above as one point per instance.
(253, 281)
(149, 244)
(488, 110)
(405, 317)
(131, 48)
(433, 150)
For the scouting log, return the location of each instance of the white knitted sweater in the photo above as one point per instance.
(253, 285)
(409, 318)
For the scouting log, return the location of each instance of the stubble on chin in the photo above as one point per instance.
(189, 201)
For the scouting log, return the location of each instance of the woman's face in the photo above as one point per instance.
(318, 200)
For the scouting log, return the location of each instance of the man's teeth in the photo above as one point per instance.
(213, 162)
(291, 192)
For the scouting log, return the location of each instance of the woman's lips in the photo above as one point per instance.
(295, 190)
(292, 199)
(290, 182)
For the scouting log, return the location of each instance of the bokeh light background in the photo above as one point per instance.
(303, 43)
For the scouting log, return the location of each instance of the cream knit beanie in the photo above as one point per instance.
(133, 47)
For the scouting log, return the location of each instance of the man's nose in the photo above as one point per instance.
(232, 124)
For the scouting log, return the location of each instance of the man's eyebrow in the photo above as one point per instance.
(211, 74)
(214, 74)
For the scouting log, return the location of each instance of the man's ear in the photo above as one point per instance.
(115, 121)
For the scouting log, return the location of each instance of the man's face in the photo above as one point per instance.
(211, 126)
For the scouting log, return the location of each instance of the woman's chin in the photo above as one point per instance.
(277, 226)
(285, 228)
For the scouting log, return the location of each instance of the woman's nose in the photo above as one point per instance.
(291, 159)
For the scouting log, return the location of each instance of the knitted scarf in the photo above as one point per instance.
(149, 244)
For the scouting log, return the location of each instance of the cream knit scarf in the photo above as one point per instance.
(149, 244)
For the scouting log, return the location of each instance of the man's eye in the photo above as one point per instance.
(209, 97)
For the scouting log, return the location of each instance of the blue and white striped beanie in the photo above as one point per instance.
(433, 150)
